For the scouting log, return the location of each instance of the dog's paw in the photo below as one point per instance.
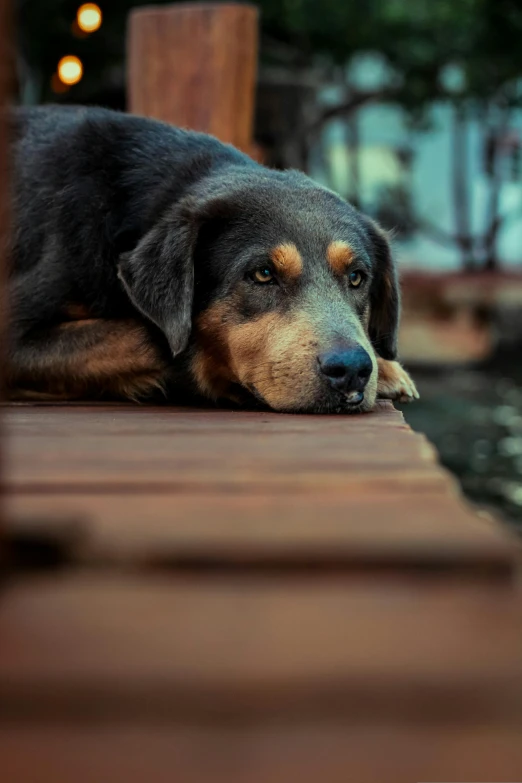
(394, 383)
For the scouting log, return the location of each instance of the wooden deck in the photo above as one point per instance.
(227, 596)
(215, 488)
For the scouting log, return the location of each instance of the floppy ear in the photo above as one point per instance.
(385, 305)
(158, 275)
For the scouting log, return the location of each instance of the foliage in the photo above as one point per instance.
(418, 38)
(464, 51)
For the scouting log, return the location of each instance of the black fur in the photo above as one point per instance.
(134, 218)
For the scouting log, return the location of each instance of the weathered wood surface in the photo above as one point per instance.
(182, 487)
(250, 597)
(194, 65)
(220, 451)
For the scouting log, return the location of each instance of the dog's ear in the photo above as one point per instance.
(158, 275)
(385, 305)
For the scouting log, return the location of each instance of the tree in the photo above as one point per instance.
(465, 52)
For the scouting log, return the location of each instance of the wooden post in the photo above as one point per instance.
(194, 65)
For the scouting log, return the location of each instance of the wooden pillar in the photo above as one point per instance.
(194, 65)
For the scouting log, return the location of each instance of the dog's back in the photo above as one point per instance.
(78, 169)
(88, 184)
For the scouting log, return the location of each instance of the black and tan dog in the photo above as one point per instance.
(148, 257)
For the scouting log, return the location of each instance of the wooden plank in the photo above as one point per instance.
(127, 419)
(380, 533)
(307, 752)
(90, 647)
(216, 451)
(184, 487)
(194, 65)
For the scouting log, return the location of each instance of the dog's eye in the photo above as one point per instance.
(355, 279)
(263, 275)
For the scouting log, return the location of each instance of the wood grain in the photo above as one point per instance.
(173, 450)
(194, 65)
(209, 489)
(274, 666)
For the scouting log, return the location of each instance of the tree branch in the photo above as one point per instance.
(357, 99)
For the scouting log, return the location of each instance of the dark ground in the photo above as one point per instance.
(474, 418)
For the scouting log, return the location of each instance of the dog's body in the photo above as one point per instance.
(147, 257)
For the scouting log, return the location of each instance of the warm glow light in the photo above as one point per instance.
(70, 69)
(89, 17)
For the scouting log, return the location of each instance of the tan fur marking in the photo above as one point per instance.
(76, 312)
(339, 255)
(276, 355)
(273, 354)
(287, 261)
(211, 364)
(77, 323)
(90, 358)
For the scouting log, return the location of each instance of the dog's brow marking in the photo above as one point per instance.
(287, 260)
(339, 255)
(76, 312)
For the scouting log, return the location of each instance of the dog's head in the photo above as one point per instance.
(278, 287)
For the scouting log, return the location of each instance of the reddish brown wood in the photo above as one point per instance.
(194, 65)
(143, 648)
(250, 675)
(388, 533)
(308, 751)
(166, 449)
(178, 486)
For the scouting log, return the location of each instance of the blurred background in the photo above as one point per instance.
(412, 111)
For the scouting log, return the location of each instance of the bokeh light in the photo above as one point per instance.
(89, 17)
(70, 69)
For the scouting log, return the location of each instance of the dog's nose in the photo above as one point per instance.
(347, 369)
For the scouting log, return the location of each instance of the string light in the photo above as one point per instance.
(89, 17)
(70, 69)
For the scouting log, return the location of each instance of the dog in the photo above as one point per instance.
(147, 259)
